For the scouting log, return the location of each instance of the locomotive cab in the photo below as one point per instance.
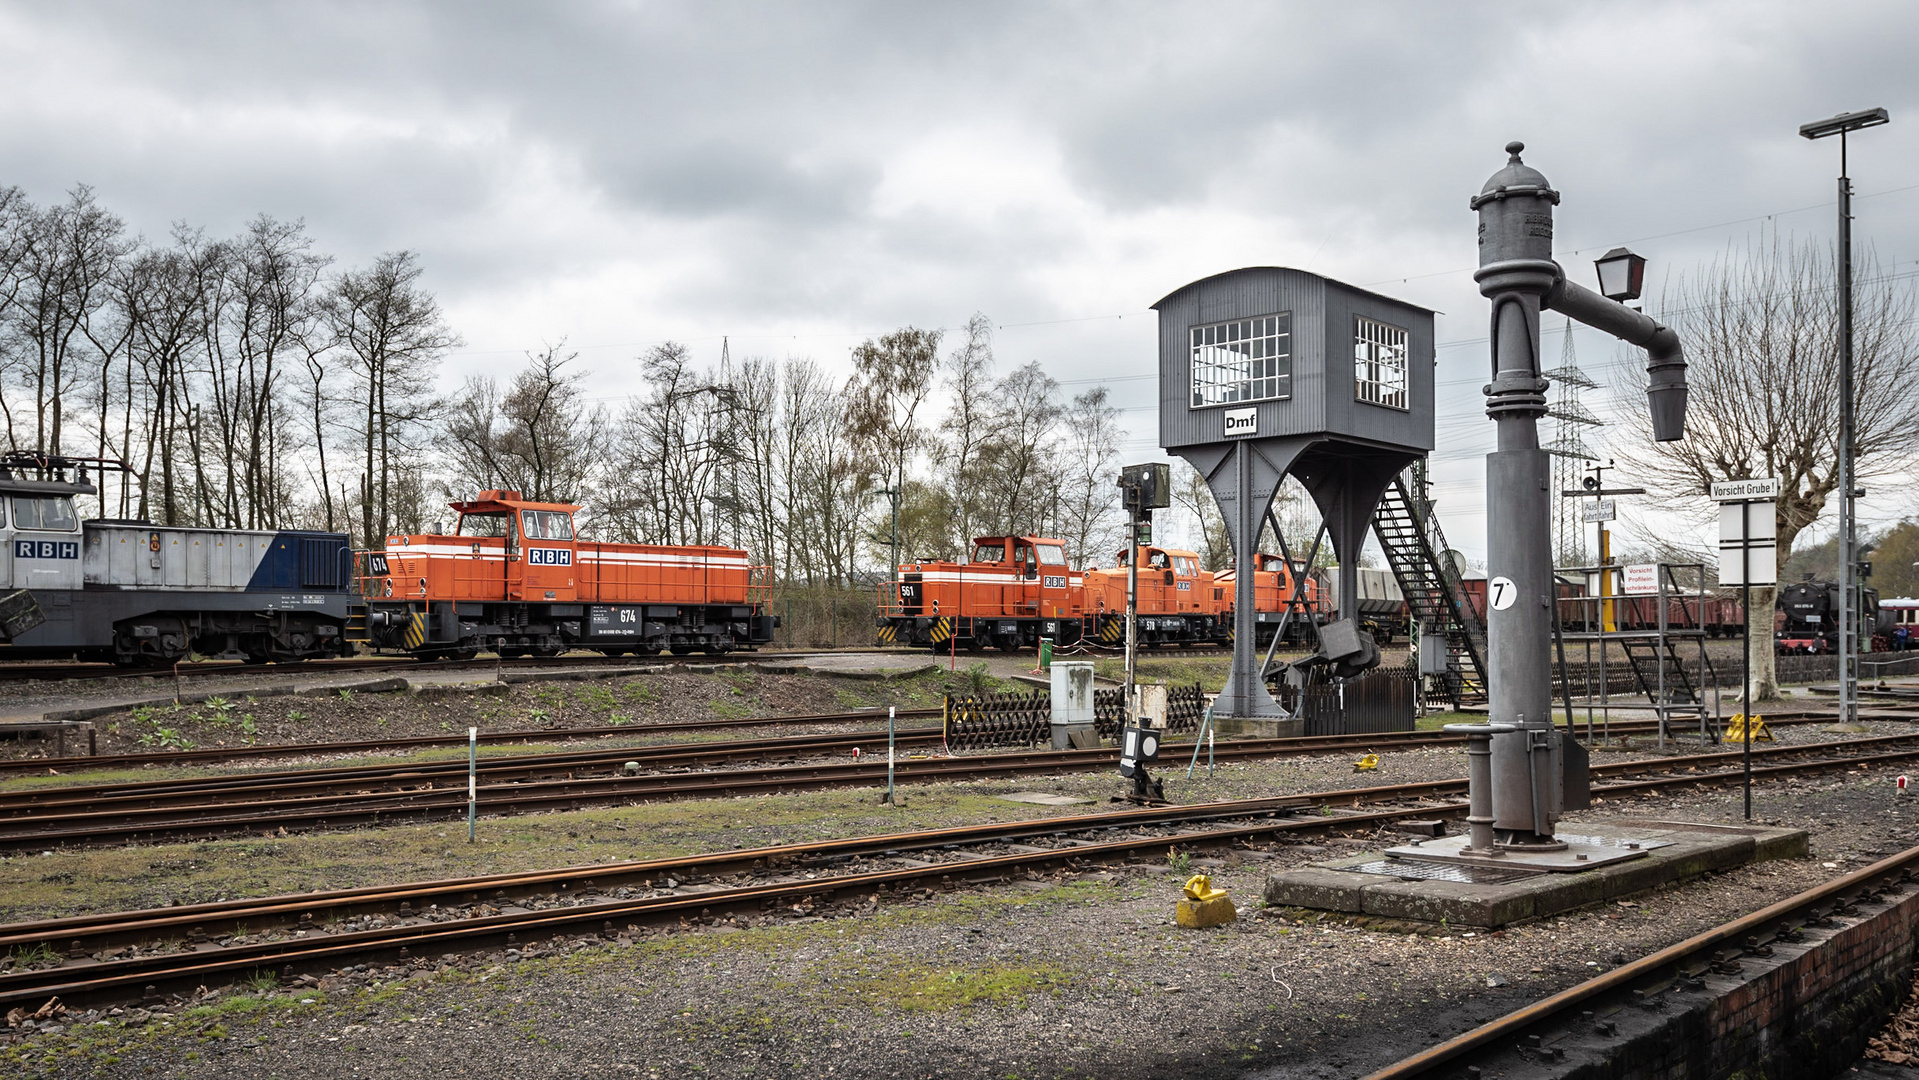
(1013, 591)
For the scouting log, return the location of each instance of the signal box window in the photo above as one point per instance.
(1243, 360)
(1379, 364)
(51, 512)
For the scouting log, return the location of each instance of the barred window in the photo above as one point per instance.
(1243, 360)
(1379, 364)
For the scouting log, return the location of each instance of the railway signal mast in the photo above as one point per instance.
(1842, 125)
(1143, 489)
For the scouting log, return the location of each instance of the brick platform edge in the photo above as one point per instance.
(1803, 1013)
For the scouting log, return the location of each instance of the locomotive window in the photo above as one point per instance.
(493, 524)
(1186, 566)
(990, 553)
(547, 525)
(1052, 555)
(51, 512)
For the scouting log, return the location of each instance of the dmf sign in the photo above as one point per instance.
(46, 549)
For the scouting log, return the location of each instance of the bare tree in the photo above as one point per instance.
(1020, 490)
(892, 378)
(967, 428)
(1089, 519)
(392, 335)
(539, 438)
(71, 252)
(1213, 544)
(1759, 328)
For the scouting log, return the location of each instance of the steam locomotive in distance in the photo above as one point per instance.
(1811, 610)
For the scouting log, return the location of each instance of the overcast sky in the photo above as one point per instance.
(799, 176)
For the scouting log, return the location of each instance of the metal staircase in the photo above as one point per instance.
(1431, 587)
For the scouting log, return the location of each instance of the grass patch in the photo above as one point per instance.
(1440, 720)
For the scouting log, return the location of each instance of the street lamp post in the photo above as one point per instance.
(1842, 125)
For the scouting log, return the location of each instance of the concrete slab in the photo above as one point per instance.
(1044, 798)
(1493, 896)
(1260, 729)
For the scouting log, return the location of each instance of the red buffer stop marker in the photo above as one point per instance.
(1902, 784)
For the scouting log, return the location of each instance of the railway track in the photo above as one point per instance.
(131, 954)
(1583, 1019)
(161, 759)
(298, 800)
(24, 670)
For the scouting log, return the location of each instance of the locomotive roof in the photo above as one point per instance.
(490, 502)
(44, 487)
(1029, 538)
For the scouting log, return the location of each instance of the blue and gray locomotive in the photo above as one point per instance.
(141, 594)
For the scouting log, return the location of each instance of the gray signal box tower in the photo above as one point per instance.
(1268, 372)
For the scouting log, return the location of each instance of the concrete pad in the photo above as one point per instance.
(1451, 902)
(1424, 891)
(1044, 798)
(1199, 914)
(1321, 890)
(1260, 728)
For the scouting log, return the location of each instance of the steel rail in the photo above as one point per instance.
(374, 746)
(105, 789)
(1774, 918)
(200, 820)
(22, 670)
(73, 979)
(211, 960)
(290, 783)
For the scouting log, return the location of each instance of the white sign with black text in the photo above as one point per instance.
(1748, 543)
(1242, 422)
(1762, 487)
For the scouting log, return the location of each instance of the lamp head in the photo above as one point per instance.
(1844, 122)
(1622, 274)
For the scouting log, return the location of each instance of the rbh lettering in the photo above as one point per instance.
(46, 549)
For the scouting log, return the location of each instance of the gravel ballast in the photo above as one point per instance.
(1067, 975)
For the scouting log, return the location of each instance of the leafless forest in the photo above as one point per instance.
(251, 381)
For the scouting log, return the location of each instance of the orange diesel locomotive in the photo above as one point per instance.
(1273, 586)
(514, 577)
(1020, 589)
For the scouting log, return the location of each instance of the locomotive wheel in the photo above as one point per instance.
(1009, 645)
(974, 645)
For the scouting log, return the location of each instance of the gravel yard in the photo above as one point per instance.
(1068, 975)
(668, 696)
